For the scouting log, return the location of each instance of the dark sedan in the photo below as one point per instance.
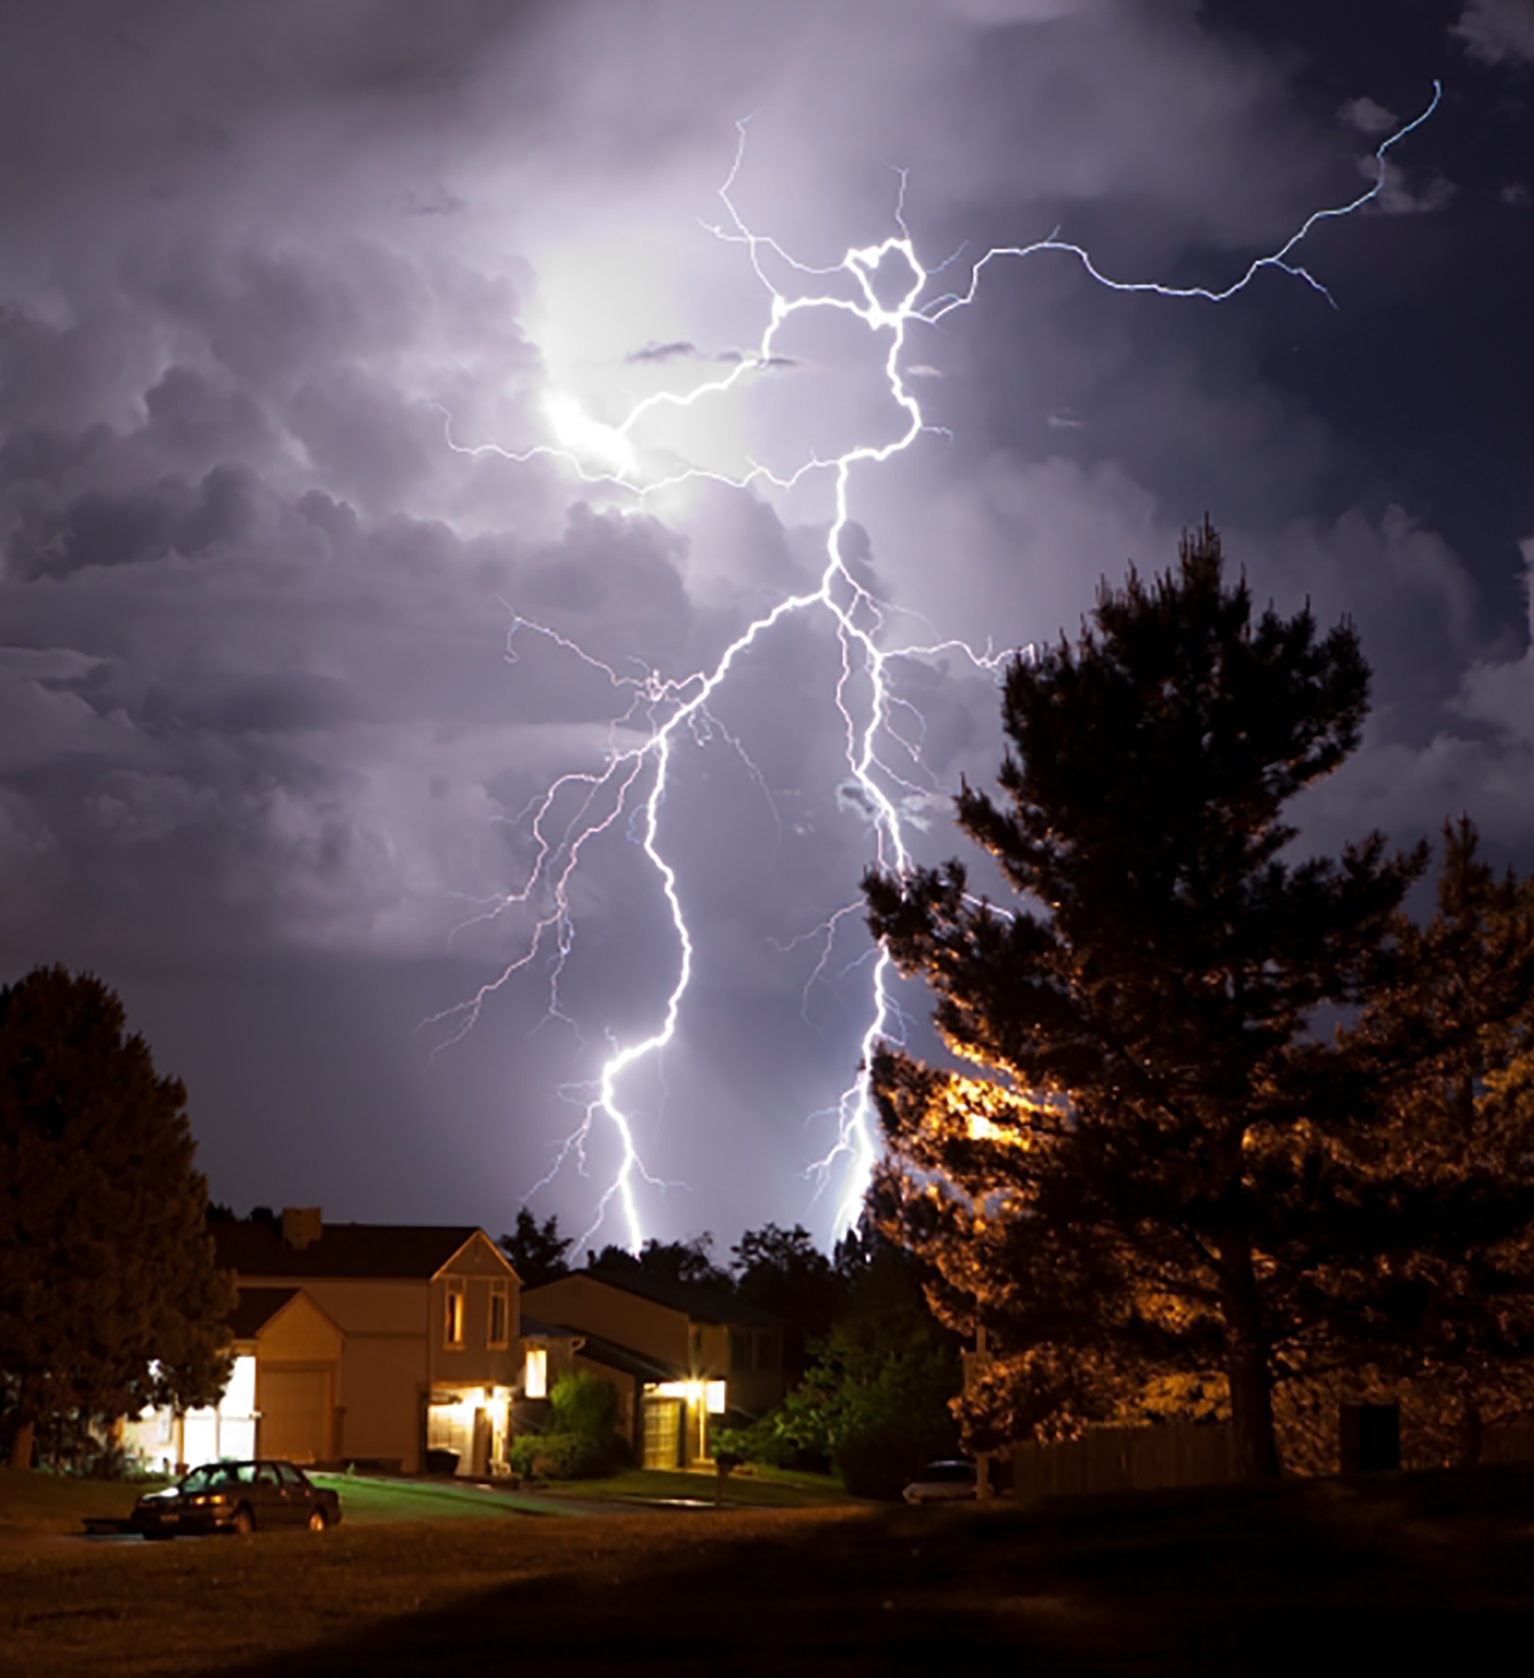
(237, 1497)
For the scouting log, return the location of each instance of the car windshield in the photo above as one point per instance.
(216, 1475)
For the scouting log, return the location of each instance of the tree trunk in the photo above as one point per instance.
(1251, 1380)
(21, 1444)
(1251, 1411)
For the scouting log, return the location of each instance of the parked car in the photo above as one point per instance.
(942, 1482)
(237, 1497)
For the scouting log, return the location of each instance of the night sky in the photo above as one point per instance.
(267, 755)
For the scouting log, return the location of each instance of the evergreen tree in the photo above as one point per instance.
(109, 1298)
(1139, 1185)
(537, 1251)
(1447, 1303)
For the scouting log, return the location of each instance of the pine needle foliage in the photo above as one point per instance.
(1141, 1185)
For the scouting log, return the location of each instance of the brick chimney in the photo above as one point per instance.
(301, 1226)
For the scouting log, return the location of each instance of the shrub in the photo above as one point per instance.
(760, 1442)
(585, 1405)
(557, 1456)
(879, 1462)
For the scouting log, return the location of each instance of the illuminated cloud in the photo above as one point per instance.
(264, 744)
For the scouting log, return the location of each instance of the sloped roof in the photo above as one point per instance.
(256, 1308)
(383, 1252)
(625, 1360)
(536, 1328)
(696, 1300)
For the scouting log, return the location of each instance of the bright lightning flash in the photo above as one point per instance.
(631, 783)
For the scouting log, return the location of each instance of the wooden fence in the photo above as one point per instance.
(1511, 1442)
(1127, 1459)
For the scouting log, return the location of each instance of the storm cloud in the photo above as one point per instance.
(298, 626)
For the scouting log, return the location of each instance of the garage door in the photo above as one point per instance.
(295, 1414)
(662, 1432)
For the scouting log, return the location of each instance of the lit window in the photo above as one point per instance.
(499, 1333)
(452, 1326)
(535, 1382)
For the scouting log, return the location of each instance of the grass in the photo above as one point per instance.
(35, 1505)
(222, 1604)
(367, 1502)
(754, 1487)
(1410, 1572)
(39, 1505)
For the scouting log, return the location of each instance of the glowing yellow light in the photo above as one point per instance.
(990, 1112)
(461, 1409)
(707, 1395)
(535, 1379)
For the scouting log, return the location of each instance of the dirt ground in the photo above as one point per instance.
(1402, 1571)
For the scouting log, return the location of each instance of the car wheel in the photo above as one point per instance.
(317, 1521)
(244, 1521)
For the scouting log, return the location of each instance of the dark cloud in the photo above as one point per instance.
(292, 653)
(681, 349)
(1498, 30)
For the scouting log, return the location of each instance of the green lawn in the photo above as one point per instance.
(33, 1504)
(753, 1487)
(367, 1501)
(37, 1505)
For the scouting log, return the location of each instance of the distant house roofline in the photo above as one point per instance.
(256, 1307)
(695, 1300)
(350, 1252)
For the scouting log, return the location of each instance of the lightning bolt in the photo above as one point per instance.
(630, 786)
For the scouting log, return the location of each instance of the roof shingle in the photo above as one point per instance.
(386, 1252)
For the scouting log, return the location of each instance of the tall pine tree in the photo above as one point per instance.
(1139, 1182)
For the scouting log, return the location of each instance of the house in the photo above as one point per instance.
(359, 1343)
(677, 1352)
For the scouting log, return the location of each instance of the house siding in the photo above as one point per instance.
(383, 1349)
(626, 1319)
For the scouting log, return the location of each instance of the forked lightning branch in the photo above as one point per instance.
(658, 712)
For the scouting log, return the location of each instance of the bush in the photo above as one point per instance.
(879, 1462)
(558, 1456)
(760, 1442)
(519, 1454)
(585, 1405)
